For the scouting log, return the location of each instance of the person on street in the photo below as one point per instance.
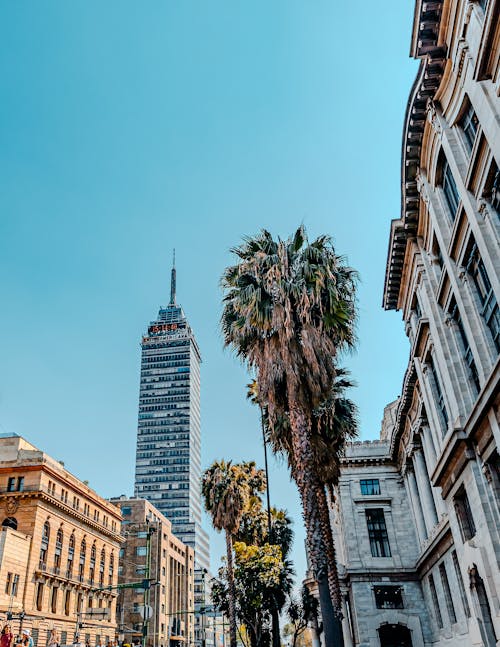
(6, 637)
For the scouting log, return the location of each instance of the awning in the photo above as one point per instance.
(177, 638)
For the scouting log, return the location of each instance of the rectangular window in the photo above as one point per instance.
(377, 533)
(141, 550)
(450, 190)
(15, 585)
(11, 484)
(440, 403)
(461, 587)
(388, 597)
(20, 484)
(435, 602)
(53, 602)
(468, 356)
(8, 583)
(39, 596)
(370, 486)
(447, 594)
(464, 515)
(469, 124)
(489, 306)
(126, 511)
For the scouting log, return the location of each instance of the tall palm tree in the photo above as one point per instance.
(289, 306)
(328, 440)
(227, 490)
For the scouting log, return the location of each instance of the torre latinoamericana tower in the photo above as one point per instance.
(168, 457)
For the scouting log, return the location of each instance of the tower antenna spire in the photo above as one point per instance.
(173, 278)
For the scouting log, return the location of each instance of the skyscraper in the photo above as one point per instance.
(168, 456)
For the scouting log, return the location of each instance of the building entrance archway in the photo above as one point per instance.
(394, 636)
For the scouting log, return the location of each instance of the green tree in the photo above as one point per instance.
(257, 570)
(227, 490)
(289, 306)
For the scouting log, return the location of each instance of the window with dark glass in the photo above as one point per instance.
(44, 547)
(20, 483)
(92, 563)
(388, 597)
(469, 124)
(58, 550)
(461, 587)
(81, 565)
(53, 601)
(8, 583)
(447, 593)
(39, 596)
(377, 533)
(11, 484)
(489, 306)
(435, 602)
(491, 191)
(441, 405)
(101, 566)
(450, 189)
(464, 515)
(71, 556)
(370, 486)
(468, 356)
(67, 600)
(111, 567)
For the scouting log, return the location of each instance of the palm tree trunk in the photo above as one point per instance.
(316, 533)
(275, 619)
(326, 529)
(275, 616)
(232, 590)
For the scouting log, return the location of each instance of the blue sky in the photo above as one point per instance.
(130, 128)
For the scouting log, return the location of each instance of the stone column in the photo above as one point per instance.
(424, 488)
(415, 503)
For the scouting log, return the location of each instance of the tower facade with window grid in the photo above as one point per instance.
(168, 452)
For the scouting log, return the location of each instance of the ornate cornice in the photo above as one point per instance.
(425, 46)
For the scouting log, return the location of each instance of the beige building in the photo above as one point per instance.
(418, 512)
(59, 543)
(151, 552)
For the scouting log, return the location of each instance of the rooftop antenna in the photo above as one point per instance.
(172, 282)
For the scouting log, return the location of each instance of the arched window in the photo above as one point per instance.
(71, 555)
(93, 554)
(44, 547)
(81, 565)
(101, 567)
(111, 567)
(10, 522)
(58, 550)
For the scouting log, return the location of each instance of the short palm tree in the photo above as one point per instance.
(289, 306)
(227, 490)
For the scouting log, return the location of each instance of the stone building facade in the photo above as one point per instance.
(59, 544)
(418, 512)
(150, 550)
